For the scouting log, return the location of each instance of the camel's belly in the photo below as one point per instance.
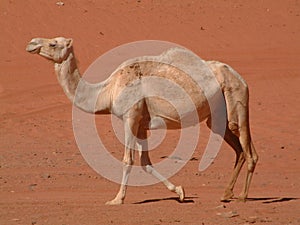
(169, 117)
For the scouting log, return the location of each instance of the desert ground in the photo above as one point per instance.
(45, 180)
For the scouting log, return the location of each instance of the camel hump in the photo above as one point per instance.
(195, 67)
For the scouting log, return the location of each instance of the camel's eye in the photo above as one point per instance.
(52, 45)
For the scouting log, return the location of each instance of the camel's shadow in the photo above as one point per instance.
(186, 200)
(264, 200)
(273, 199)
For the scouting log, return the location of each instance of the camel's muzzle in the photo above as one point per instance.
(33, 47)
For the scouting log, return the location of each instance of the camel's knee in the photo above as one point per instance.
(128, 158)
(148, 168)
(252, 161)
(128, 161)
(254, 154)
(146, 163)
(233, 127)
(252, 158)
(255, 160)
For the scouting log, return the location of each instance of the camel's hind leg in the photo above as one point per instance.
(239, 126)
(251, 159)
(236, 96)
(142, 147)
(234, 142)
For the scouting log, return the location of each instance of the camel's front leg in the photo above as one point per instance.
(128, 160)
(142, 146)
(177, 189)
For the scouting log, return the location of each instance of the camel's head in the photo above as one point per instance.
(56, 49)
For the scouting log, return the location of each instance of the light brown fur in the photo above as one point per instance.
(139, 113)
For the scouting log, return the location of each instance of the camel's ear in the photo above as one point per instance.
(69, 42)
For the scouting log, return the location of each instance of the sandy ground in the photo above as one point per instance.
(45, 180)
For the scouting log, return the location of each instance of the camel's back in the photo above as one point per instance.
(173, 85)
(174, 64)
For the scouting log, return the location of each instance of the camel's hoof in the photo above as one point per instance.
(114, 202)
(227, 196)
(180, 191)
(242, 198)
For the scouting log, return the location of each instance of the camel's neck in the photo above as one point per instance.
(68, 76)
(92, 98)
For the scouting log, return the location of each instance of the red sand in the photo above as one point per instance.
(45, 180)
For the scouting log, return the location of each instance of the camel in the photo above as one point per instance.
(148, 112)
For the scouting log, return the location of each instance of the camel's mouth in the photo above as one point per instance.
(33, 47)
